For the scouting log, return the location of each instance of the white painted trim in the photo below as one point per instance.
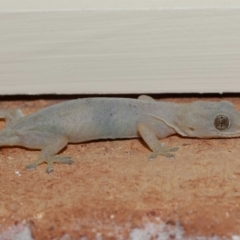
(124, 51)
(42, 5)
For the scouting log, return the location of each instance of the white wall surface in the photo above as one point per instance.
(167, 47)
(40, 5)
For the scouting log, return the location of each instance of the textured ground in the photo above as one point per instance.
(112, 188)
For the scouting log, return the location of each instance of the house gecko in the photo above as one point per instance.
(83, 120)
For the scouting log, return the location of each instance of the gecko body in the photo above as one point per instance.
(82, 120)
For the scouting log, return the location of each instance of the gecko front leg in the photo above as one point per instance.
(152, 141)
(146, 98)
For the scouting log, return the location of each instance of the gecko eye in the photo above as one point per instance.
(221, 122)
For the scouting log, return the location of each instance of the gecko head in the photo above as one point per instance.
(204, 119)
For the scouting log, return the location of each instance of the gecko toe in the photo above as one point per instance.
(169, 155)
(152, 156)
(173, 149)
(63, 159)
(49, 170)
(30, 167)
(34, 164)
(155, 154)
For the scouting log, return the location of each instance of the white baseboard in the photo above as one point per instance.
(120, 51)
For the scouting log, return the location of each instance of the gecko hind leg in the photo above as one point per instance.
(151, 140)
(49, 143)
(11, 116)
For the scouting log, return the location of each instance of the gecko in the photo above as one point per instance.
(82, 120)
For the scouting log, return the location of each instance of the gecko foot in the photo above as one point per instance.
(50, 161)
(163, 151)
(62, 159)
(58, 159)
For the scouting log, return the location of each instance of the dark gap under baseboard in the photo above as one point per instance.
(75, 96)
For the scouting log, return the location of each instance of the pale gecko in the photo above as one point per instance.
(83, 120)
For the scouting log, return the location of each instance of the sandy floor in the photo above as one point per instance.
(112, 188)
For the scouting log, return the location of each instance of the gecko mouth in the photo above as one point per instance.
(228, 134)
